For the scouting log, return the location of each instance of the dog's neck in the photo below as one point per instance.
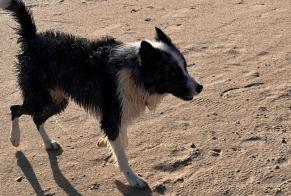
(134, 97)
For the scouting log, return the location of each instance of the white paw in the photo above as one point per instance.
(136, 181)
(51, 145)
(15, 140)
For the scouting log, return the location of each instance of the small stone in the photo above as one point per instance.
(147, 19)
(215, 152)
(240, 2)
(214, 138)
(277, 167)
(94, 186)
(284, 141)
(278, 190)
(181, 179)
(193, 145)
(19, 179)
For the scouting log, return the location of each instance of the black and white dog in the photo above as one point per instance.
(112, 80)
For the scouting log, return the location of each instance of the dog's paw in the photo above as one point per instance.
(52, 145)
(15, 140)
(136, 181)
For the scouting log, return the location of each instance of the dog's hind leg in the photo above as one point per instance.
(16, 112)
(40, 118)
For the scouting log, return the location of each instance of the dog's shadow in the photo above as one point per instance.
(59, 178)
(26, 168)
(62, 182)
(130, 191)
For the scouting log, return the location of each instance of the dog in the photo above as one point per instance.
(111, 80)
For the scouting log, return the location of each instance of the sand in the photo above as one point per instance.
(232, 139)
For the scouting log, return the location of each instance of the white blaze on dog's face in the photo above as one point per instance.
(164, 68)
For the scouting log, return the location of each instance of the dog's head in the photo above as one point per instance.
(164, 68)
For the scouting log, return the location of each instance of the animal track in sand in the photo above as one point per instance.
(215, 105)
(230, 92)
(180, 163)
(281, 95)
(193, 48)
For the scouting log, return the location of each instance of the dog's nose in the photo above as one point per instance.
(199, 88)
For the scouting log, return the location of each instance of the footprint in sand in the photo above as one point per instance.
(180, 163)
(237, 91)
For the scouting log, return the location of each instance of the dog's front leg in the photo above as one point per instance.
(112, 125)
(123, 137)
(121, 158)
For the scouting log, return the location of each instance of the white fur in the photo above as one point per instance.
(15, 133)
(156, 44)
(49, 143)
(134, 99)
(4, 3)
(164, 47)
(118, 150)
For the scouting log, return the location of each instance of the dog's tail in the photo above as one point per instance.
(22, 15)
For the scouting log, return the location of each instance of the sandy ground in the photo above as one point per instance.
(233, 139)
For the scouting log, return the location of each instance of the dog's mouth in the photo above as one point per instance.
(187, 98)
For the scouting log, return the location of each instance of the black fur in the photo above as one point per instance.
(78, 66)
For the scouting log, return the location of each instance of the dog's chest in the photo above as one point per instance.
(134, 99)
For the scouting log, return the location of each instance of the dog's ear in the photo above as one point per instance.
(148, 54)
(161, 36)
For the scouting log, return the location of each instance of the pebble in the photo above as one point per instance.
(19, 179)
(215, 152)
(193, 145)
(94, 186)
(284, 141)
(180, 179)
(133, 10)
